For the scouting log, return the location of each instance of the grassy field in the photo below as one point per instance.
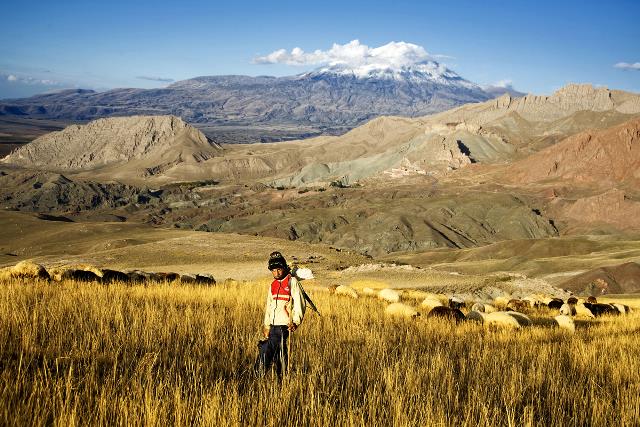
(87, 354)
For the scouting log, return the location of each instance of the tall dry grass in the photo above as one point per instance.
(87, 354)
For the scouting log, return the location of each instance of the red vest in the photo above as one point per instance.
(280, 289)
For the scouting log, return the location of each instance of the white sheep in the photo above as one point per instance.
(303, 273)
(398, 309)
(483, 308)
(568, 310)
(369, 292)
(478, 306)
(501, 301)
(565, 322)
(347, 291)
(521, 318)
(429, 303)
(488, 308)
(583, 311)
(501, 319)
(25, 269)
(623, 309)
(389, 295)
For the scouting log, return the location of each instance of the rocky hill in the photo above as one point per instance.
(152, 143)
(500, 130)
(393, 184)
(496, 131)
(594, 157)
(613, 279)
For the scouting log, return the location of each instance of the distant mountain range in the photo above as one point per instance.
(325, 99)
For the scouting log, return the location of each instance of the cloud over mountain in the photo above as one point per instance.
(352, 55)
(29, 80)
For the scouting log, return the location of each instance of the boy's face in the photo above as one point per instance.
(278, 273)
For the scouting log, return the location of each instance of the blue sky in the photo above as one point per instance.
(538, 46)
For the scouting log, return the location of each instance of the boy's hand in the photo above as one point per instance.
(292, 327)
(265, 331)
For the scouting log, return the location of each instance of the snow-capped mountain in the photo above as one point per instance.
(423, 72)
(330, 97)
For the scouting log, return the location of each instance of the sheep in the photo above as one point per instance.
(303, 273)
(521, 318)
(501, 301)
(398, 309)
(456, 302)
(501, 319)
(546, 300)
(205, 279)
(475, 316)
(80, 275)
(623, 309)
(568, 310)
(79, 272)
(583, 311)
(572, 301)
(430, 303)
(555, 304)
(167, 277)
(517, 305)
(600, 309)
(488, 308)
(565, 322)
(479, 307)
(25, 269)
(347, 291)
(533, 301)
(369, 292)
(137, 276)
(483, 308)
(187, 278)
(389, 295)
(447, 313)
(109, 276)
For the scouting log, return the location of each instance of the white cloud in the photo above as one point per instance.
(353, 54)
(627, 66)
(505, 83)
(29, 80)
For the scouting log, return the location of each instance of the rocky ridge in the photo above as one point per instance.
(594, 157)
(156, 142)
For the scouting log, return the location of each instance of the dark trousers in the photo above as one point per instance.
(273, 351)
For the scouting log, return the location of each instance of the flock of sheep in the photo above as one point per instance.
(502, 312)
(89, 273)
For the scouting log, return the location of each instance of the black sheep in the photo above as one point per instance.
(447, 313)
(600, 309)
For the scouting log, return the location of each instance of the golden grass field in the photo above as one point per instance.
(171, 354)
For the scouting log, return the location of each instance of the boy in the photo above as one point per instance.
(284, 311)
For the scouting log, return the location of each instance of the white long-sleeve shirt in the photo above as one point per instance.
(285, 303)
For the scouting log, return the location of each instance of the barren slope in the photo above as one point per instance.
(595, 158)
(148, 144)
